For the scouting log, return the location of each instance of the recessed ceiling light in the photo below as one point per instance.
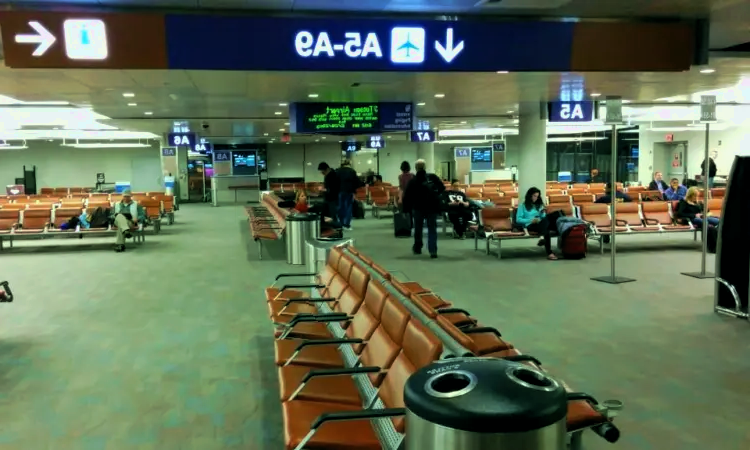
(439, 95)
(278, 113)
(132, 104)
(708, 70)
(265, 134)
(323, 137)
(515, 121)
(286, 123)
(312, 95)
(283, 104)
(626, 101)
(510, 112)
(128, 94)
(317, 140)
(421, 104)
(502, 71)
(148, 113)
(596, 94)
(390, 137)
(281, 129)
(287, 143)
(463, 122)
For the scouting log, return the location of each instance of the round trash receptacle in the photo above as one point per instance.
(300, 226)
(484, 403)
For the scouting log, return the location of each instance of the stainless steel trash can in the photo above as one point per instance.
(300, 226)
(484, 403)
(317, 252)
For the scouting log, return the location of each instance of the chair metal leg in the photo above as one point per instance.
(576, 440)
(260, 250)
(499, 248)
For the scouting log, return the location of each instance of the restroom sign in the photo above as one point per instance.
(182, 139)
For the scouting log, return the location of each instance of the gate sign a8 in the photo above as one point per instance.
(182, 139)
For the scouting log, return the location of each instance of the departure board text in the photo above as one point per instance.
(343, 118)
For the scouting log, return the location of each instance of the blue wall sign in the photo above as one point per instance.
(203, 147)
(498, 147)
(168, 151)
(356, 44)
(375, 141)
(182, 139)
(462, 152)
(222, 156)
(350, 146)
(423, 136)
(582, 111)
(350, 118)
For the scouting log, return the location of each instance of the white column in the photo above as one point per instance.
(532, 148)
(426, 151)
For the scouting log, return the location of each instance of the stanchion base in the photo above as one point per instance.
(613, 280)
(699, 275)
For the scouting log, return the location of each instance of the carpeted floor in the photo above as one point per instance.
(168, 346)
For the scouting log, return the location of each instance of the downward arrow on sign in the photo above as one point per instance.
(449, 52)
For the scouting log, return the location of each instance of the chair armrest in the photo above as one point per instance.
(522, 358)
(300, 286)
(483, 330)
(651, 221)
(288, 275)
(622, 223)
(452, 310)
(328, 342)
(342, 371)
(321, 318)
(309, 300)
(357, 415)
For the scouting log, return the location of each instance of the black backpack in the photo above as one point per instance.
(100, 218)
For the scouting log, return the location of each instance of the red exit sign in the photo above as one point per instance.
(670, 137)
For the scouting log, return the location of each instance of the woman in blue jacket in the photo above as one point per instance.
(533, 217)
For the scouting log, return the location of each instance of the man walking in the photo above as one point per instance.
(711, 169)
(422, 199)
(349, 183)
(331, 187)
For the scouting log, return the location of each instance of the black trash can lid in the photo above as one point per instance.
(302, 217)
(485, 395)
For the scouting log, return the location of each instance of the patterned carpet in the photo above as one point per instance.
(167, 346)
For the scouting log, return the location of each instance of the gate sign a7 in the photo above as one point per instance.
(182, 139)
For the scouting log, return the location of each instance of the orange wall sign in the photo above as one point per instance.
(34, 39)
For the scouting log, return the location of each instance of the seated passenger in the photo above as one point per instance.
(458, 210)
(300, 201)
(676, 191)
(607, 197)
(532, 216)
(125, 217)
(690, 210)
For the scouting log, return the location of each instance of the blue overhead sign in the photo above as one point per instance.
(222, 155)
(181, 139)
(581, 111)
(423, 136)
(355, 44)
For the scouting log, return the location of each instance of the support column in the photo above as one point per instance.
(426, 151)
(182, 163)
(532, 148)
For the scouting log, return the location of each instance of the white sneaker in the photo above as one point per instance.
(348, 228)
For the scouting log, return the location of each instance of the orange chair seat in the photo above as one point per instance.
(508, 234)
(608, 230)
(332, 389)
(274, 310)
(581, 415)
(414, 287)
(677, 227)
(30, 230)
(349, 435)
(322, 356)
(272, 292)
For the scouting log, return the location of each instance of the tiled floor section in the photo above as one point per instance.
(168, 346)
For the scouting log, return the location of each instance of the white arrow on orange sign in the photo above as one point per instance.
(43, 38)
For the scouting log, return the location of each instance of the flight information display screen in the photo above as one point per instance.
(481, 159)
(244, 163)
(350, 118)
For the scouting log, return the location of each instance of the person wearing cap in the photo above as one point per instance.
(126, 217)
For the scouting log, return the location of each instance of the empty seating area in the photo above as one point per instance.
(348, 337)
(24, 217)
(266, 222)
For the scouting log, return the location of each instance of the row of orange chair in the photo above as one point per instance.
(345, 351)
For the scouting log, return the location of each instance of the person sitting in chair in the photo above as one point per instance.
(676, 191)
(690, 210)
(125, 217)
(458, 209)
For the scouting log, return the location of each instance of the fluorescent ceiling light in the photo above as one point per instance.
(574, 139)
(278, 113)
(132, 104)
(283, 104)
(312, 95)
(107, 145)
(74, 134)
(439, 95)
(128, 94)
(502, 71)
(286, 123)
(12, 147)
(281, 129)
(463, 141)
(708, 70)
(474, 132)
(421, 104)
(595, 94)
(265, 134)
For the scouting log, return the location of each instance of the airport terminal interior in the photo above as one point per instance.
(209, 211)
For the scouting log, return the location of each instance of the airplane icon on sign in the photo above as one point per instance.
(407, 45)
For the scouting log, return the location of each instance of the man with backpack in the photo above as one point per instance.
(422, 198)
(349, 183)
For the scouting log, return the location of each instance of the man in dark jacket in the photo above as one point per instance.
(331, 188)
(658, 184)
(711, 169)
(349, 183)
(423, 199)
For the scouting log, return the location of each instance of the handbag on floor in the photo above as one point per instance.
(358, 210)
(402, 224)
(712, 239)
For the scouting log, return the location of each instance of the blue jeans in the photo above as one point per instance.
(712, 221)
(346, 203)
(710, 182)
(419, 220)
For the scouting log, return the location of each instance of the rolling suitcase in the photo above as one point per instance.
(358, 210)
(573, 243)
(402, 225)
(712, 239)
